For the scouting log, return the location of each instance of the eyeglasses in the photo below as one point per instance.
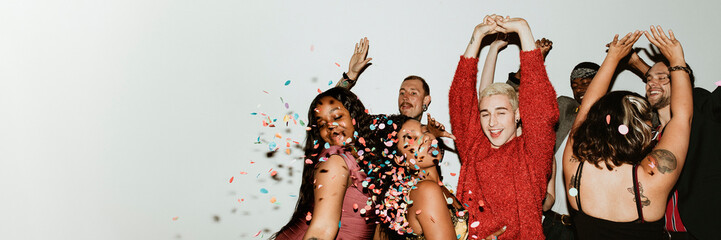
(661, 78)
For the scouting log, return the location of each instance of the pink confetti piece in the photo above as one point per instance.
(273, 173)
(257, 233)
(231, 180)
(243, 173)
(453, 174)
(418, 212)
(355, 206)
(319, 91)
(475, 224)
(175, 218)
(481, 203)
(652, 165)
(718, 83)
(337, 64)
(608, 119)
(267, 91)
(308, 216)
(308, 161)
(623, 129)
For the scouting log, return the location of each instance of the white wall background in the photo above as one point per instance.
(117, 117)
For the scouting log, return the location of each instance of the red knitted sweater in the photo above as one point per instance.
(505, 186)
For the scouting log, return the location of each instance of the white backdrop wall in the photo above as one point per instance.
(128, 119)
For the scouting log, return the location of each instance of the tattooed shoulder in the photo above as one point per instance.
(665, 159)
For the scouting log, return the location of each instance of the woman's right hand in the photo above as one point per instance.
(670, 47)
(488, 26)
(618, 49)
(500, 42)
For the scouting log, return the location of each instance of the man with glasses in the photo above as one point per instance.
(692, 210)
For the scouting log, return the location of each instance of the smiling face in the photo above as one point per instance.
(417, 146)
(498, 119)
(658, 86)
(579, 87)
(411, 98)
(334, 122)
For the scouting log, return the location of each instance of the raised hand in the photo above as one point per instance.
(358, 62)
(488, 26)
(618, 49)
(500, 42)
(545, 45)
(437, 129)
(670, 47)
(509, 25)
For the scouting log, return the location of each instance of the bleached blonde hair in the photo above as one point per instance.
(500, 89)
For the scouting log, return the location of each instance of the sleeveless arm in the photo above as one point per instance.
(331, 181)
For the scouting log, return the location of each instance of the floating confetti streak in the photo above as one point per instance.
(243, 173)
(175, 218)
(231, 180)
(453, 174)
(257, 233)
(623, 129)
(330, 82)
(286, 83)
(573, 192)
(337, 64)
(272, 200)
(608, 119)
(718, 83)
(263, 191)
(475, 224)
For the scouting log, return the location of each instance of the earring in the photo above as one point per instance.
(517, 121)
(425, 107)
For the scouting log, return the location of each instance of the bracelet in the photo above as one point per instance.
(676, 68)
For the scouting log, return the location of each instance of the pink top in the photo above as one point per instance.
(352, 224)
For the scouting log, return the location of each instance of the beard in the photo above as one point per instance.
(662, 102)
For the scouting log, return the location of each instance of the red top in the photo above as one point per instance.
(505, 186)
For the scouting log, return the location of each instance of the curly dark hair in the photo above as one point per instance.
(374, 130)
(597, 141)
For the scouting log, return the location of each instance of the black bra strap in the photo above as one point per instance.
(637, 195)
(577, 185)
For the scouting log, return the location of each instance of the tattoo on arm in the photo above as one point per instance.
(665, 159)
(473, 38)
(343, 83)
(573, 181)
(644, 200)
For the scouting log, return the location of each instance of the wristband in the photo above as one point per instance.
(676, 68)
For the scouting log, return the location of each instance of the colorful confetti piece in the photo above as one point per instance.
(475, 224)
(272, 200)
(623, 129)
(286, 83)
(330, 82)
(263, 191)
(608, 119)
(257, 233)
(718, 83)
(418, 212)
(231, 180)
(337, 64)
(573, 192)
(175, 218)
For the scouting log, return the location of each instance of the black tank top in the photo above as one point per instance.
(589, 227)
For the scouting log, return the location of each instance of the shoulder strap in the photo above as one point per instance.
(577, 185)
(636, 194)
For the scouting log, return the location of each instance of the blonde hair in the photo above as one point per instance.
(500, 89)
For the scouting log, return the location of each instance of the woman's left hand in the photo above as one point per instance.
(437, 129)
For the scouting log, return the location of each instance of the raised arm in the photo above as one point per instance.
(669, 154)
(462, 96)
(599, 85)
(489, 67)
(358, 63)
(331, 181)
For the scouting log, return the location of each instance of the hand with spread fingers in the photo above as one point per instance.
(669, 46)
(437, 129)
(620, 48)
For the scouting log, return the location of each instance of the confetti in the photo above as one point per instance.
(231, 180)
(278, 135)
(418, 212)
(272, 146)
(453, 174)
(312, 47)
(623, 129)
(273, 173)
(257, 233)
(287, 151)
(573, 192)
(243, 173)
(286, 83)
(319, 91)
(330, 82)
(175, 218)
(308, 216)
(287, 106)
(481, 203)
(449, 201)
(608, 119)
(272, 200)
(337, 64)
(475, 224)
(308, 161)
(718, 83)
(355, 207)
(263, 190)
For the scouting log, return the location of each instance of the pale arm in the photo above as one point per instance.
(489, 67)
(550, 190)
(358, 62)
(331, 181)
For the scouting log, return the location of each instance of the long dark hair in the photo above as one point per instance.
(375, 130)
(597, 140)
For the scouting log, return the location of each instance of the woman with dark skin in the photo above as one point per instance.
(612, 133)
(341, 141)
